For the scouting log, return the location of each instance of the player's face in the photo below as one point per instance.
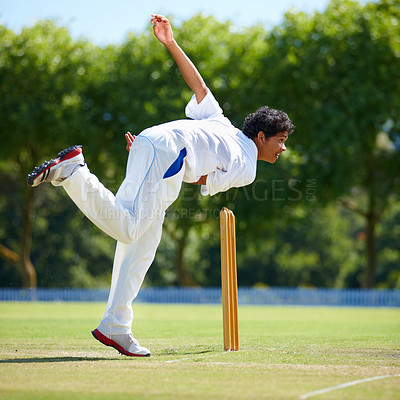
(271, 148)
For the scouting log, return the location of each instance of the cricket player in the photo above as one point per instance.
(205, 149)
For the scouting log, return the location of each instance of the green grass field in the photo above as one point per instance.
(47, 352)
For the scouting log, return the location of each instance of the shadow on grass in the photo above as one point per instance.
(186, 352)
(55, 359)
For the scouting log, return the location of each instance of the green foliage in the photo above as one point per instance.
(41, 78)
(335, 73)
(389, 248)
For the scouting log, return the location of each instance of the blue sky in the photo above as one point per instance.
(105, 21)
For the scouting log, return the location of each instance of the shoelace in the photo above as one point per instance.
(133, 339)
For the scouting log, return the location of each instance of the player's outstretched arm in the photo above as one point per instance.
(163, 32)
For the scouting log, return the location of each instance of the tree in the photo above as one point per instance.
(41, 84)
(337, 73)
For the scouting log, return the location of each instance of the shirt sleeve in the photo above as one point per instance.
(207, 108)
(221, 181)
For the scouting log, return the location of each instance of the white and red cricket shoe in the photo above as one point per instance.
(125, 344)
(59, 168)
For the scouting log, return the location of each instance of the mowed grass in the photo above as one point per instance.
(47, 352)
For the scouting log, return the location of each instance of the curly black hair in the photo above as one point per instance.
(268, 120)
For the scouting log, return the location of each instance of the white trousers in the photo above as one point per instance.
(134, 217)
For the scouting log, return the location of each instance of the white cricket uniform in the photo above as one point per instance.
(160, 159)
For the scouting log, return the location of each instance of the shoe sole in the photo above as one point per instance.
(109, 342)
(63, 155)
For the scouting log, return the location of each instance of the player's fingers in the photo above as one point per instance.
(129, 138)
(158, 18)
(128, 142)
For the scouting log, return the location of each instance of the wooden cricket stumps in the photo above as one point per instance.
(229, 281)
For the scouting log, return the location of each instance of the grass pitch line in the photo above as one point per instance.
(344, 385)
(176, 360)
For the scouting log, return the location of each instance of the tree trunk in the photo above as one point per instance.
(9, 254)
(26, 268)
(372, 260)
(184, 279)
(180, 237)
(372, 218)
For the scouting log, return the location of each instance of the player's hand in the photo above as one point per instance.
(162, 29)
(129, 140)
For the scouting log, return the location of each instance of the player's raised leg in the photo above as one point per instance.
(112, 215)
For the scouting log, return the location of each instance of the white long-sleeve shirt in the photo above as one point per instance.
(214, 147)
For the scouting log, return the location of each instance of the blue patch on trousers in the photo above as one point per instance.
(176, 165)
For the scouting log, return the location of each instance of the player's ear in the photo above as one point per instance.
(261, 136)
